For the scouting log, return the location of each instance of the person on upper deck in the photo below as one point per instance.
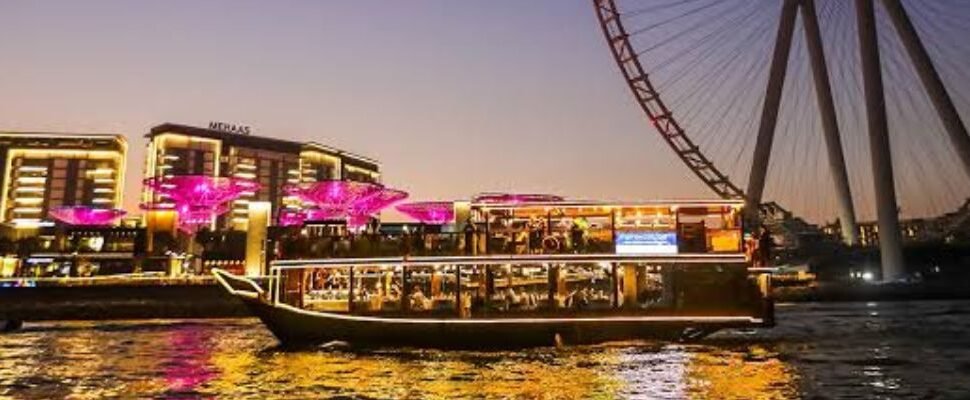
(765, 243)
(470, 242)
(577, 234)
(536, 231)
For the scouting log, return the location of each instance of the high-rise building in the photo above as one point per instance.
(41, 171)
(230, 151)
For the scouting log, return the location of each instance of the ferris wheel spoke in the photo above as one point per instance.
(718, 34)
(658, 8)
(698, 26)
(676, 18)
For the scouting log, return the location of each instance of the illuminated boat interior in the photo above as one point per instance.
(539, 258)
(523, 224)
(515, 270)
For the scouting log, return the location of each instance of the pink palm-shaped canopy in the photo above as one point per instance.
(429, 212)
(198, 198)
(333, 196)
(360, 211)
(86, 215)
(354, 201)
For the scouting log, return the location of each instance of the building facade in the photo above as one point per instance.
(175, 149)
(41, 171)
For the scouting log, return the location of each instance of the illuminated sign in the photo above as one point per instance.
(649, 242)
(229, 128)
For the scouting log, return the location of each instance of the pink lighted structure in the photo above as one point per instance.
(86, 216)
(292, 217)
(515, 198)
(429, 212)
(361, 210)
(333, 197)
(354, 201)
(197, 198)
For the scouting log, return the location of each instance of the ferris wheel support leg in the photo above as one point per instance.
(769, 114)
(890, 241)
(931, 80)
(830, 124)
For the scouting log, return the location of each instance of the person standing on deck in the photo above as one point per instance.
(765, 243)
(577, 234)
(470, 242)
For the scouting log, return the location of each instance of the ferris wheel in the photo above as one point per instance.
(836, 109)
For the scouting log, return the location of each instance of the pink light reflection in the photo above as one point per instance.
(429, 212)
(292, 218)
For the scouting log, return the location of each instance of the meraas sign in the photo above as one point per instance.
(230, 128)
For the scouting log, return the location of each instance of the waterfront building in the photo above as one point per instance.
(231, 151)
(951, 227)
(42, 171)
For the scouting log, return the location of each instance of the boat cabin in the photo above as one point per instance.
(552, 258)
(645, 228)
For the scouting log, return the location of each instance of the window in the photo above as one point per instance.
(327, 289)
(376, 289)
(585, 286)
(520, 288)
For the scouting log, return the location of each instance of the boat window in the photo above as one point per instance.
(432, 289)
(375, 290)
(474, 289)
(646, 231)
(709, 230)
(327, 289)
(641, 287)
(519, 288)
(549, 230)
(585, 286)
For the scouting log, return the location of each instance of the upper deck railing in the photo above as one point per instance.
(516, 259)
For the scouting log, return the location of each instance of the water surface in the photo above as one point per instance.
(834, 350)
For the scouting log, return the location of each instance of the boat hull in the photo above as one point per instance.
(295, 327)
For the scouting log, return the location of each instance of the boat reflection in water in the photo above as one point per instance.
(619, 370)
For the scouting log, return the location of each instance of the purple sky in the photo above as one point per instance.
(452, 97)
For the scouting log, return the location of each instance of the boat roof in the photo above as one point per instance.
(605, 203)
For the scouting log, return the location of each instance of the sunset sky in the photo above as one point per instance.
(452, 97)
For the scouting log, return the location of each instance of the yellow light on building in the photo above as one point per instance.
(28, 200)
(31, 179)
(259, 217)
(101, 171)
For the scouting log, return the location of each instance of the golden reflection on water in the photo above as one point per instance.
(240, 361)
(418, 374)
(755, 373)
(611, 371)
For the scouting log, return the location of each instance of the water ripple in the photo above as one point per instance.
(839, 350)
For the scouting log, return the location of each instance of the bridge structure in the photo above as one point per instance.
(728, 67)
